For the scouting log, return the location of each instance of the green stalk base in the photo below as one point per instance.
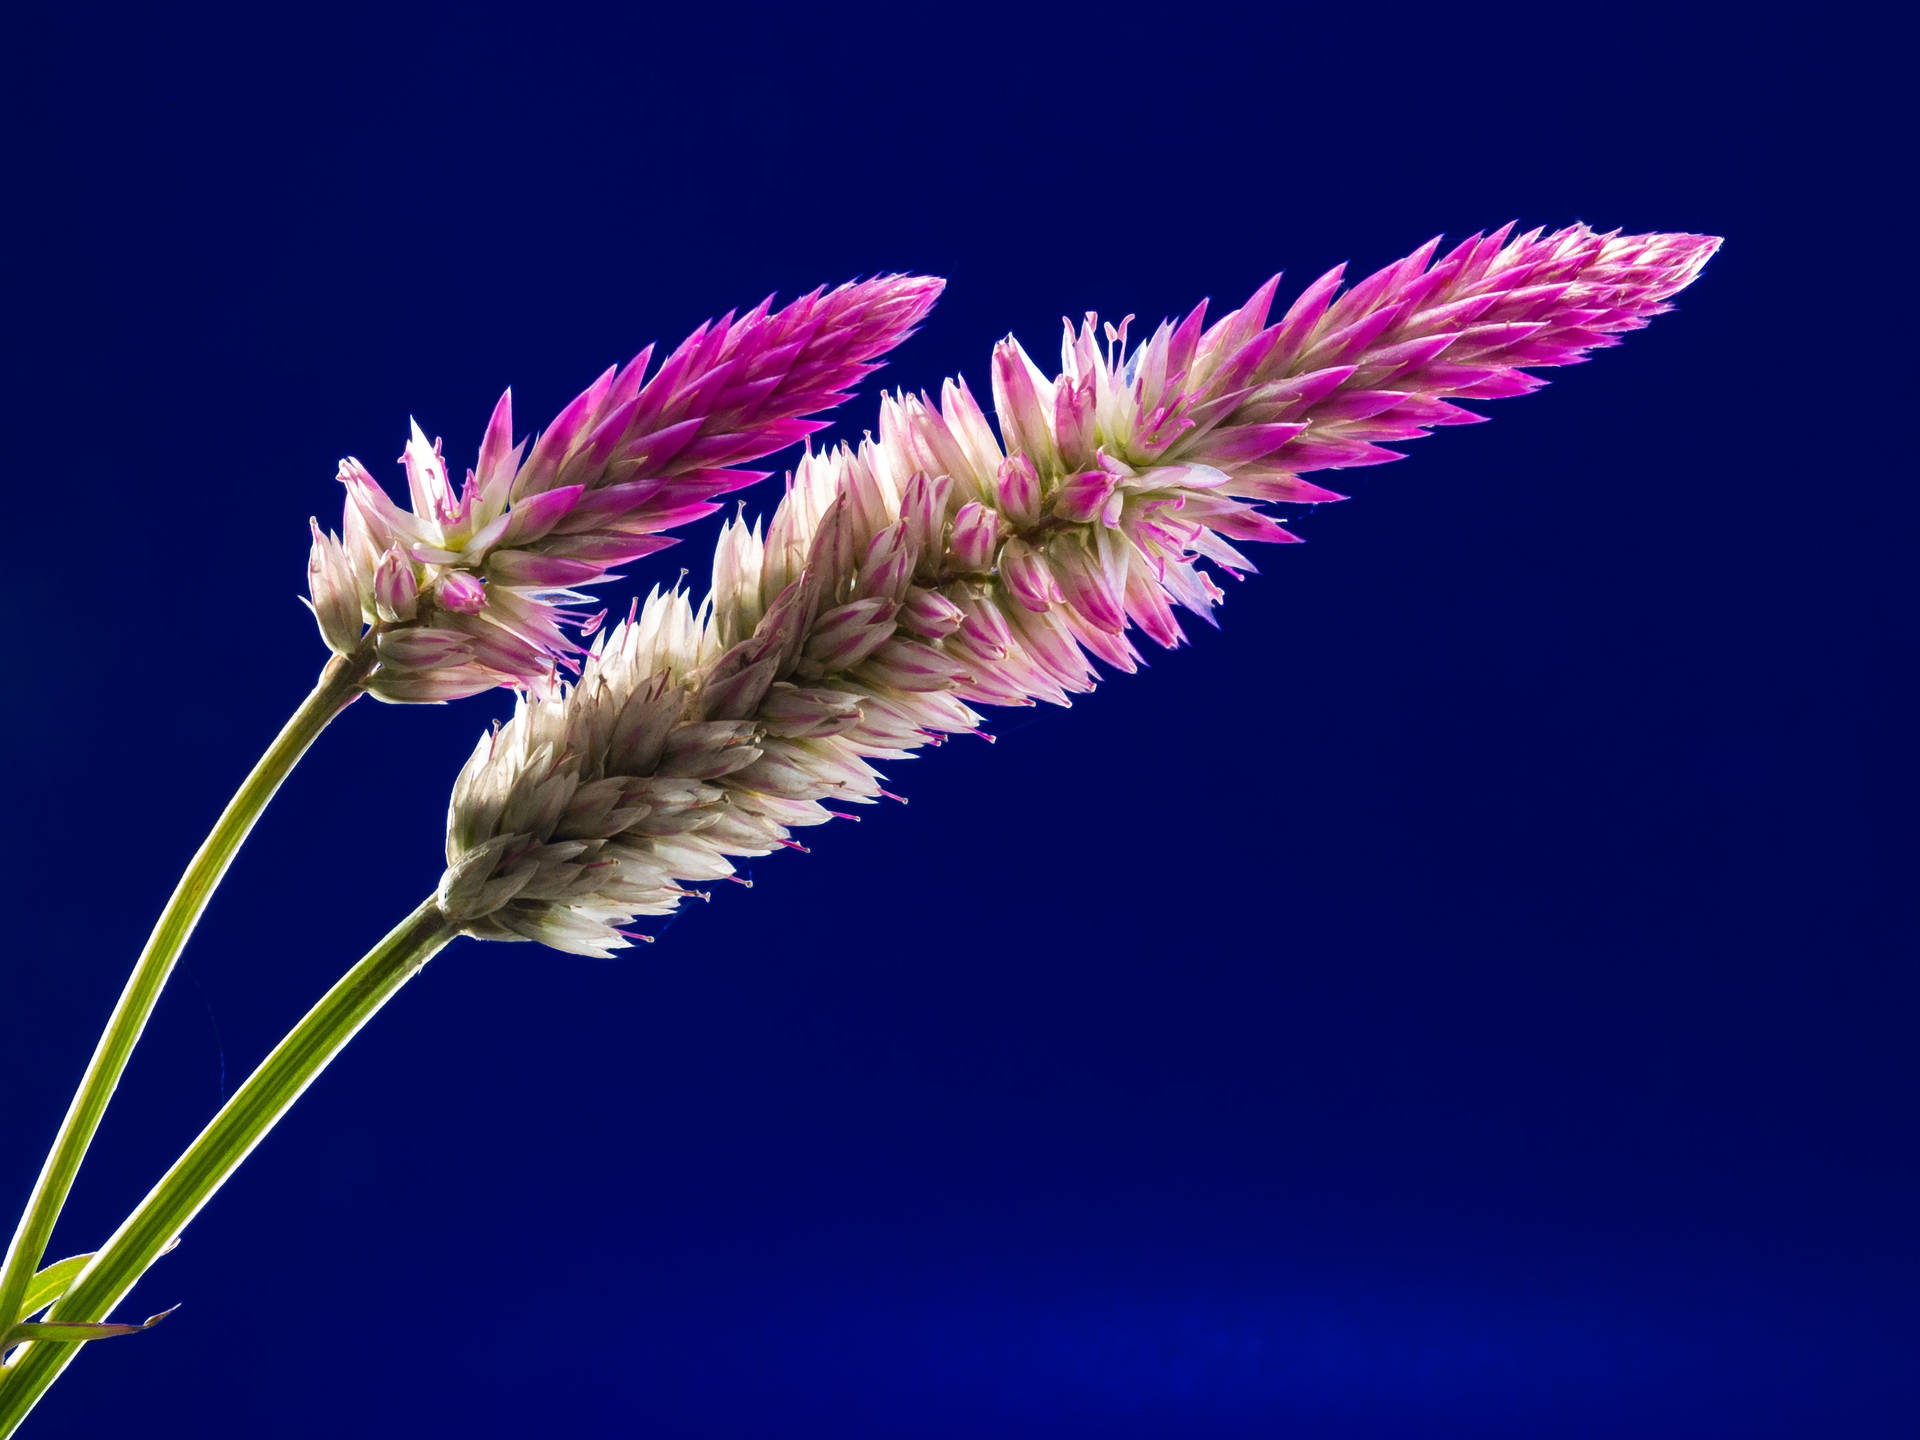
(228, 1139)
(339, 683)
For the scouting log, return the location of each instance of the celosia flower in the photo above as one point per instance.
(470, 590)
(941, 565)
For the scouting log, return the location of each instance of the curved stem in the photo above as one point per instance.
(256, 1107)
(339, 684)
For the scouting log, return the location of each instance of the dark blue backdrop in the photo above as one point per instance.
(1470, 994)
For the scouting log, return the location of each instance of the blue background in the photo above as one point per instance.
(1470, 994)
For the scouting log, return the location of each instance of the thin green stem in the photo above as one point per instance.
(339, 683)
(256, 1107)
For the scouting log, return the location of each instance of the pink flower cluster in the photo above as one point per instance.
(462, 592)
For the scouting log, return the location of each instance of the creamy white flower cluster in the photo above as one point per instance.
(894, 584)
(942, 565)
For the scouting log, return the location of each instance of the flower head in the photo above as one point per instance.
(942, 566)
(472, 588)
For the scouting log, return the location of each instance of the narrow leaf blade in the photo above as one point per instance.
(75, 1330)
(51, 1283)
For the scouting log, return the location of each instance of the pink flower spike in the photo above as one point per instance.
(1427, 332)
(628, 459)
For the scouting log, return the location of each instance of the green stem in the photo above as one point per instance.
(339, 683)
(256, 1107)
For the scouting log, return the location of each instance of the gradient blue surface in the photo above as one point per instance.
(1469, 994)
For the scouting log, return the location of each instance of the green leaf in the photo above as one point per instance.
(72, 1330)
(229, 1138)
(51, 1283)
(48, 1286)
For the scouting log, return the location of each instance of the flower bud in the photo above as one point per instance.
(335, 596)
(461, 593)
(976, 532)
(1082, 496)
(1019, 485)
(1023, 398)
(929, 614)
(1027, 577)
(396, 593)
